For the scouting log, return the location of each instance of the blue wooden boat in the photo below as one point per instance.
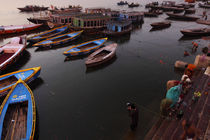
(8, 80)
(18, 114)
(58, 40)
(48, 34)
(85, 48)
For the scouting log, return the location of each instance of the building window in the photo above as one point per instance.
(91, 23)
(84, 23)
(88, 23)
(62, 20)
(94, 23)
(66, 20)
(79, 23)
(69, 20)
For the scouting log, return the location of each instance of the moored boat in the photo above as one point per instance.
(58, 40)
(201, 21)
(122, 3)
(150, 14)
(48, 34)
(182, 17)
(39, 20)
(190, 11)
(85, 48)
(90, 23)
(163, 24)
(32, 8)
(196, 32)
(18, 113)
(101, 55)
(10, 52)
(133, 5)
(17, 28)
(204, 5)
(117, 28)
(9, 79)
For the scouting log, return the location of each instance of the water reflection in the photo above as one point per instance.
(72, 58)
(136, 26)
(183, 38)
(122, 39)
(36, 83)
(100, 67)
(24, 58)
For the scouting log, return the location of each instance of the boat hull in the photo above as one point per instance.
(92, 62)
(194, 33)
(18, 29)
(22, 99)
(27, 75)
(50, 43)
(75, 51)
(48, 34)
(14, 57)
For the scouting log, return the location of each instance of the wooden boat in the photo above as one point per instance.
(68, 9)
(122, 3)
(190, 11)
(196, 32)
(17, 28)
(134, 16)
(150, 5)
(9, 79)
(204, 5)
(85, 48)
(32, 8)
(201, 21)
(101, 55)
(178, 10)
(133, 5)
(90, 23)
(58, 40)
(18, 113)
(10, 52)
(150, 14)
(48, 34)
(182, 17)
(117, 28)
(38, 20)
(163, 24)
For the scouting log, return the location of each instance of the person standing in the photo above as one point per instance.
(134, 114)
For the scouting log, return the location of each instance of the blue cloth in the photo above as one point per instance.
(173, 94)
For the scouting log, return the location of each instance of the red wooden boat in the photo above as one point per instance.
(17, 28)
(10, 52)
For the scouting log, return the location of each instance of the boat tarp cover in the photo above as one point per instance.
(173, 94)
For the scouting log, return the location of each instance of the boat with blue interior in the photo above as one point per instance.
(49, 33)
(18, 113)
(58, 40)
(85, 48)
(9, 79)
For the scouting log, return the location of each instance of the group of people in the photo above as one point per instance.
(168, 106)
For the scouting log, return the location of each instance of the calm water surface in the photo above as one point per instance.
(74, 103)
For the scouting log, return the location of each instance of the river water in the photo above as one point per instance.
(75, 103)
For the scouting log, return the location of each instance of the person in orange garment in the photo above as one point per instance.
(190, 70)
(195, 46)
(190, 132)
